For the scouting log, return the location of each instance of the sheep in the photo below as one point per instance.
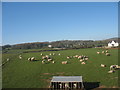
(64, 62)
(43, 61)
(29, 59)
(83, 63)
(86, 58)
(75, 85)
(66, 85)
(8, 59)
(50, 54)
(68, 57)
(32, 58)
(49, 59)
(20, 57)
(106, 51)
(113, 67)
(98, 52)
(111, 71)
(53, 61)
(80, 57)
(41, 54)
(81, 60)
(103, 51)
(59, 54)
(107, 54)
(102, 65)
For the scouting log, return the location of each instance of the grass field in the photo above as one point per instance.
(25, 74)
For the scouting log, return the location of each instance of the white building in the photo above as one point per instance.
(113, 44)
(49, 46)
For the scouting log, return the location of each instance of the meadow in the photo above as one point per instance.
(33, 74)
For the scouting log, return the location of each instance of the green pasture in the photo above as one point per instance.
(33, 74)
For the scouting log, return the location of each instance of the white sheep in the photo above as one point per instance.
(83, 63)
(107, 54)
(64, 62)
(59, 54)
(81, 60)
(102, 65)
(8, 59)
(32, 58)
(53, 61)
(111, 71)
(98, 52)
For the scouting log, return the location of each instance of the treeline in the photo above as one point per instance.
(60, 44)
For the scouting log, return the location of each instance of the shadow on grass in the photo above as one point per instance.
(91, 85)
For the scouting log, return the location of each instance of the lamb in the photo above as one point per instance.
(102, 65)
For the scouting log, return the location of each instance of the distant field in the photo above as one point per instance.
(25, 74)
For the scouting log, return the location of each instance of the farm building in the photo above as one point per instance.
(113, 44)
(62, 82)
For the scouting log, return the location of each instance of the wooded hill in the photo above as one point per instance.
(62, 44)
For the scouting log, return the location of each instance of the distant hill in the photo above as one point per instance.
(62, 44)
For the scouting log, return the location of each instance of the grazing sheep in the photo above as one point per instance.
(50, 54)
(68, 57)
(107, 54)
(64, 62)
(106, 51)
(59, 54)
(8, 59)
(111, 71)
(83, 63)
(102, 65)
(53, 61)
(81, 60)
(86, 58)
(103, 51)
(20, 57)
(113, 67)
(41, 54)
(29, 59)
(80, 57)
(98, 52)
(32, 58)
(49, 59)
(43, 61)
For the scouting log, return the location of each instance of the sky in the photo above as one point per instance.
(24, 22)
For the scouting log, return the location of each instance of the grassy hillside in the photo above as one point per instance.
(25, 74)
